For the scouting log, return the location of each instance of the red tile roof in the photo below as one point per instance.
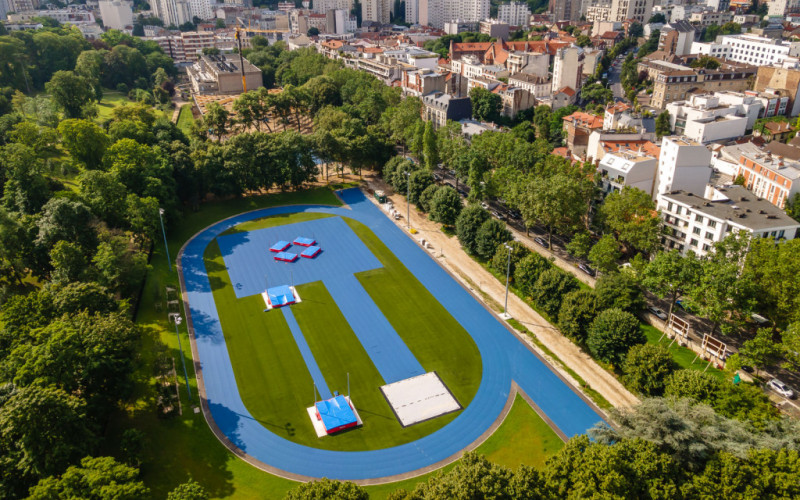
(590, 121)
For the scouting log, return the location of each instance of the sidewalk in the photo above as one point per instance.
(449, 253)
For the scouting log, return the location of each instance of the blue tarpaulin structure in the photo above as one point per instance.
(281, 296)
(280, 246)
(304, 242)
(336, 414)
(286, 257)
(310, 252)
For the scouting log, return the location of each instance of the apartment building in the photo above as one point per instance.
(631, 168)
(782, 81)
(514, 13)
(756, 50)
(768, 176)
(494, 28)
(677, 38)
(442, 11)
(695, 223)
(116, 14)
(683, 165)
(636, 10)
(422, 82)
(673, 82)
(376, 10)
(565, 10)
(704, 119)
(439, 107)
(568, 68)
(578, 126)
(538, 86)
(708, 17)
(172, 12)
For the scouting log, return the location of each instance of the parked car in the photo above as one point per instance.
(658, 312)
(485, 205)
(781, 388)
(747, 368)
(683, 306)
(586, 269)
(498, 215)
(540, 241)
(514, 214)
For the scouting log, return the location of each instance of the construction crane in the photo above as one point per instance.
(238, 36)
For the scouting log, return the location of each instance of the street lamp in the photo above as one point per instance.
(177, 319)
(505, 314)
(164, 232)
(408, 199)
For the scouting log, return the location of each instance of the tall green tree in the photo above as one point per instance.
(71, 93)
(96, 478)
(429, 147)
(663, 126)
(647, 368)
(446, 206)
(605, 254)
(84, 140)
(669, 274)
(612, 333)
(486, 105)
(631, 215)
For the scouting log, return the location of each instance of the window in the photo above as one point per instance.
(698, 218)
(706, 248)
(678, 211)
(693, 242)
(712, 224)
(709, 236)
(696, 230)
(669, 206)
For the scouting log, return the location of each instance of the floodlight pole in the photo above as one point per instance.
(508, 273)
(164, 232)
(183, 360)
(408, 200)
(348, 384)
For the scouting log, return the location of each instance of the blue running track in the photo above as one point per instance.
(505, 358)
(305, 351)
(385, 348)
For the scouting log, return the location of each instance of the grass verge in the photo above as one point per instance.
(185, 118)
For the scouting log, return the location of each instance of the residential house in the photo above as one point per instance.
(439, 107)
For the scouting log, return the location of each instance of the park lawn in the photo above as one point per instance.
(435, 338)
(185, 118)
(681, 355)
(523, 438)
(111, 99)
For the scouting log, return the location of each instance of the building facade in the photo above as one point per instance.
(116, 14)
(684, 165)
(514, 13)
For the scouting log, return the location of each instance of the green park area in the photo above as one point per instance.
(183, 446)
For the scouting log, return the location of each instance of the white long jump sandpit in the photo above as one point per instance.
(419, 398)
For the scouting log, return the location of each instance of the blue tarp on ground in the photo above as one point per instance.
(503, 355)
(336, 413)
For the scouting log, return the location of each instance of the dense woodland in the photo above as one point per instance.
(79, 211)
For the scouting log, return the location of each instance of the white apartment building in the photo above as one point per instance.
(568, 68)
(203, 9)
(708, 17)
(703, 118)
(172, 12)
(116, 14)
(376, 10)
(538, 86)
(442, 11)
(323, 6)
(753, 49)
(627, 168)
(638, 10)
(412, 11)
(684, 165)
(514, 13)
(695, 223)
(779, 8)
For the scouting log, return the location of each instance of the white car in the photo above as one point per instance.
(781, 388)
(658, 312)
